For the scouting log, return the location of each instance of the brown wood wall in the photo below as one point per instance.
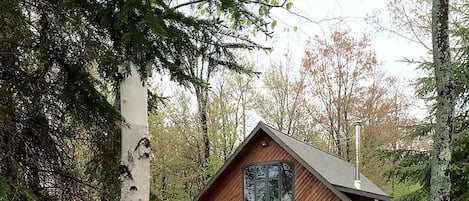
(228, 185)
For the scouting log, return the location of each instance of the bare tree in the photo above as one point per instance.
(283, 104)
(337, 69)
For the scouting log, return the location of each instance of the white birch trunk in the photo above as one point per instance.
(135, 148)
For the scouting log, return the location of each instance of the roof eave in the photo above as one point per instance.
(337, 190)
(363, 193)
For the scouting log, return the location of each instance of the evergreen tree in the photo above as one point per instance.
(59, 60)
(414, 162)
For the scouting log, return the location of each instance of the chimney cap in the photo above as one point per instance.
(357, 184)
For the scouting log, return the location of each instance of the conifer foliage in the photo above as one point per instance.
(59, 136)
(414, 162)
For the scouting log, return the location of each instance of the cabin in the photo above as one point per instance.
(272, 166)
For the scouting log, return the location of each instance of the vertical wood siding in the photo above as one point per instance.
(228, 185)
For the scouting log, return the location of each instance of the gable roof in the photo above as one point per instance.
(335, 173)
(333, 169)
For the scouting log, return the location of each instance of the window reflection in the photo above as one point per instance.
(249, 182)
(274, 182)
(268, 182)
(287, 187)
(261, 189)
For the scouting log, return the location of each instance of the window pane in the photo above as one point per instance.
(287, 182)
(261, 189)
(249, 181)
(274, 194)
(268, 182)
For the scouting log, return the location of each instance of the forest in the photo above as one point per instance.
(204, 73)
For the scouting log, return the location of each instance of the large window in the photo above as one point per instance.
(271, 181)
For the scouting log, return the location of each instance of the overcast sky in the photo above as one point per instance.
(390, 49)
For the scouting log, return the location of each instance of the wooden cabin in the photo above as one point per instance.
(272, 166)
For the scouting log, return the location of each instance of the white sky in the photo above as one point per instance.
(390, 49)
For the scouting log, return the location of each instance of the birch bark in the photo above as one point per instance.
(135, 146)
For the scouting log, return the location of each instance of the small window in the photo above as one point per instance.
(268, 182)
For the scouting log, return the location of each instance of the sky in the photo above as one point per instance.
(390, 49)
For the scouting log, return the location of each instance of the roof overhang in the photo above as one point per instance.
(339, 191)
(362, 193)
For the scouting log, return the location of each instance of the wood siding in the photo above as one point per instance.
(227, 187)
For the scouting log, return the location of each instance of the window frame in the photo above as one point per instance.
(266, 164)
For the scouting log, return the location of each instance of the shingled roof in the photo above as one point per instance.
(334, 170)
(337, 174)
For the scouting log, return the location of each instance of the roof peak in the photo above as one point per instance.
(332, 171)
(326, 166)
(301, 141)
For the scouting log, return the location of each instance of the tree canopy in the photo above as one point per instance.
(58, 75)
(61, 63)
(414, 166)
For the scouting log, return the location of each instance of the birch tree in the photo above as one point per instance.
(442, 139)
(135, 145)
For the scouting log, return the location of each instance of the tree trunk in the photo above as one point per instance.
(203, 121)
(348, 147)
(202, 98)
(338, 144)
(440, 174)
(135, 148)
(164, 190)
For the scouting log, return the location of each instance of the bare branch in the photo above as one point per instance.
(187, 3)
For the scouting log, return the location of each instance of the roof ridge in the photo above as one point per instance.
(322, 172)
(313, 146)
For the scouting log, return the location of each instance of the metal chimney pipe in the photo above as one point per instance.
(357, 182)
